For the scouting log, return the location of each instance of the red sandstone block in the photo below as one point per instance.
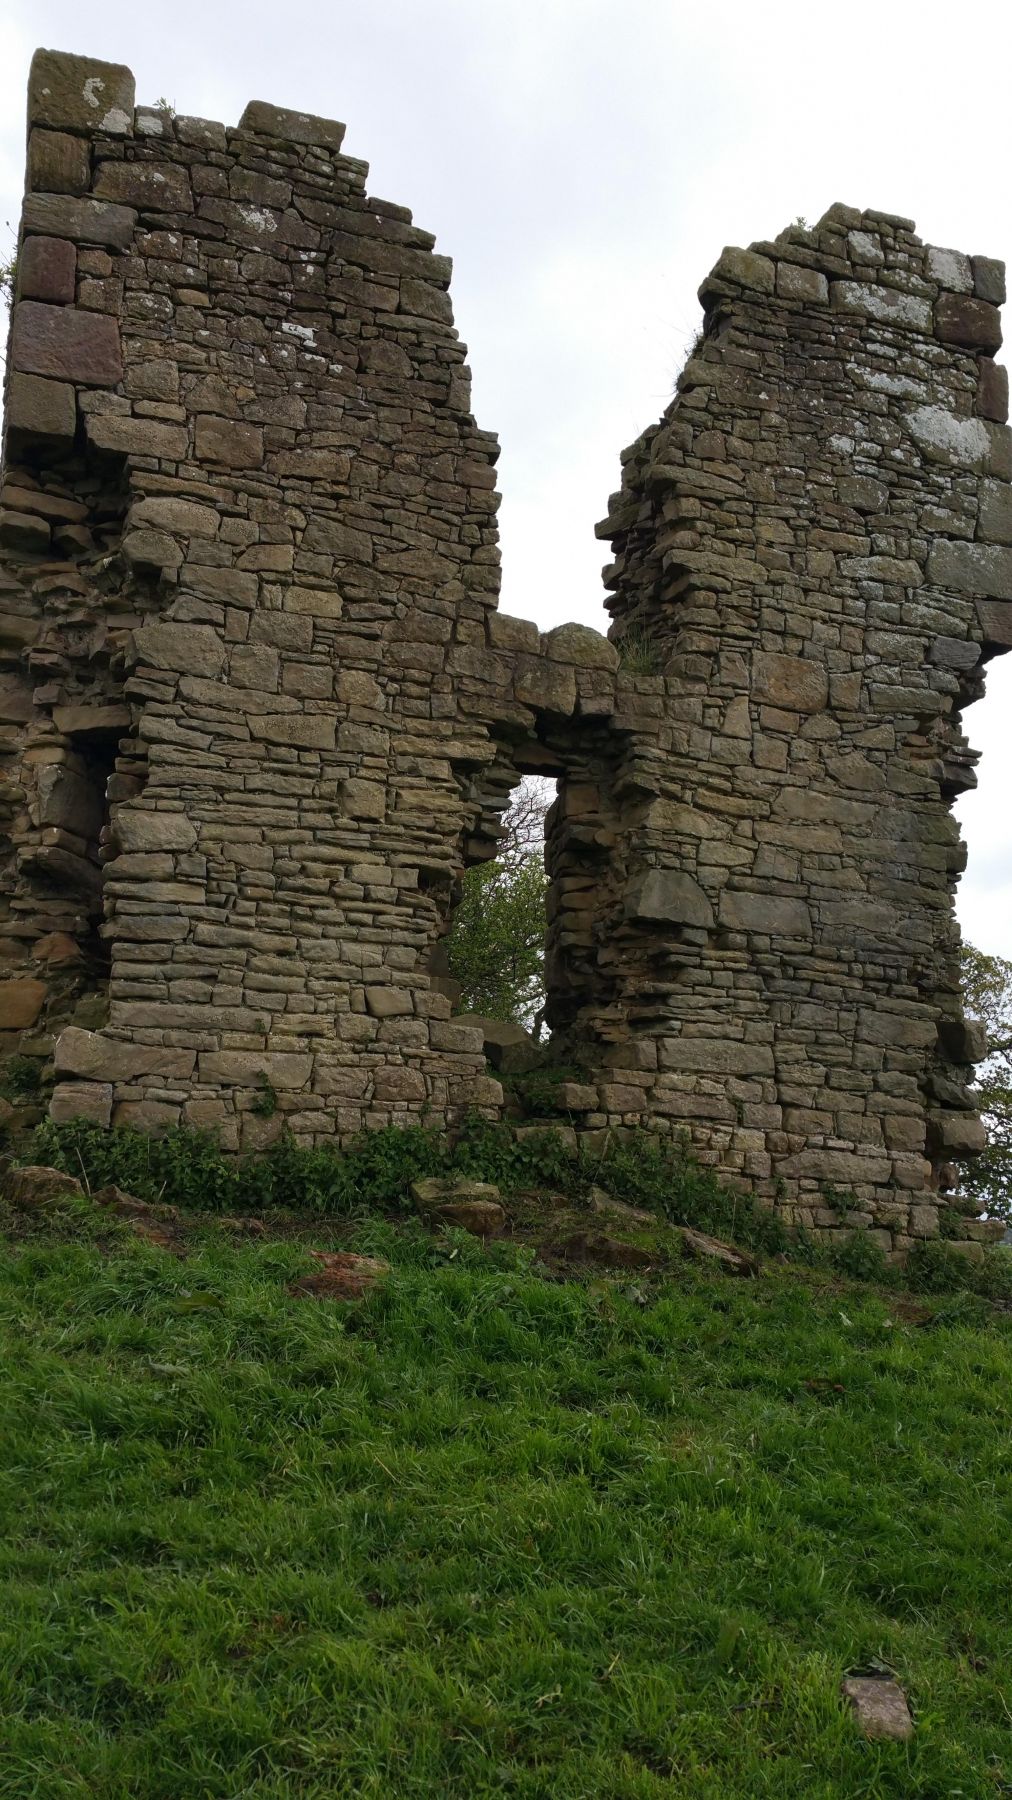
(70, 345)
(39, 410)
(973, 324)
(46, 270)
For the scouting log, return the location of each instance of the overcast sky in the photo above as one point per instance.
(583, 162)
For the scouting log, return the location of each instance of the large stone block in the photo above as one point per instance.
(291, 127)
(148, 186)
(666, 896)
(983, 569)
(80, 94)
(772, 915)
(47, 270)
(972, 324)
(86, 221)
(66, 344)
(40, 411)
(21, 1002)
(97, 1057)
(184, 649)
(795, 683)
(57, 164)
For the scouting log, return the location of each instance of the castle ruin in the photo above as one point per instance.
(260, 710)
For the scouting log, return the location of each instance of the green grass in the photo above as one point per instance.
(486, 1534)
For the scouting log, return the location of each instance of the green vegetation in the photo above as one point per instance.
(483, 1533)
(638, 653)
(496, 944)
(987, 992)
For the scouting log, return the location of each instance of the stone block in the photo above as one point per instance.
(40, 411)
(388, 1002)
(47, 270)
(796, 683)
(139, 829)
(97, 1057)
(66, 344)
(666, 896)
(21, 1002)
(303, 731)
(91, 1100)
(880, 1706)
(745, 269)
(251, 1068)
(950, 268)
(57, 164)
(887, 306)
(794, 282)
(148, 186)
(580, 646)
(229, 442)
(769, 914)
(183, 649)
(86, 221)
(185, 518)
(972, 324)
(292, 127)
(994, 512)
(80, 94)
(992, 390)
(137, 437)
(989, 279)
(982, 569)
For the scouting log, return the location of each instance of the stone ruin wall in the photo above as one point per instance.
(259, 709)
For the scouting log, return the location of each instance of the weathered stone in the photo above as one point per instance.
(668, 896)
(150, 187)
(770, 914)
(34, 1186)
(96, 1057)
(21, 1002)
(972, 324)
(40, 411)
(794, 682)
(90, 1100)
(47, 270)
(226, 441)
(57, 164)
(86, 221)
(68, 345)
(136, 437)
(185, 649)
(992, 390)
(292, 127)
(272, 714)
(80, 94)
(578, 645)
(971, 568)
(880, 1706)
(710, 1250)
(989, 279)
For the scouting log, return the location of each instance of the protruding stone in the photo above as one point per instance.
(292, 127)
(972, 324)
(21, 1002)
(80, 94)
(667, 896)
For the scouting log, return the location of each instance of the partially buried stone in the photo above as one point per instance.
(880, 1705)
(37, 1186)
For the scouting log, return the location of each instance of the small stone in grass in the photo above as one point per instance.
(343, 1276)
(880, 1705)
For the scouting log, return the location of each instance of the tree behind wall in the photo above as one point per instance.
(987, 990)
(496, 944)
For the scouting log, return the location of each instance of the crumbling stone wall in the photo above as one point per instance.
(260, 710)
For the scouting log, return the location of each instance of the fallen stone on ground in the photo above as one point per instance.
(607, 1251)
(472, 1205)
(600, 1201)
(38, 1186)
(708, 1249)
(342, 1276)
(880, 1705)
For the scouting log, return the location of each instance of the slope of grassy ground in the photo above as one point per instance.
(485, 1533)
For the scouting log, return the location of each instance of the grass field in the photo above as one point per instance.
(484, 1533)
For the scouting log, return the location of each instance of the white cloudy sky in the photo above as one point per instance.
(584, 161)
